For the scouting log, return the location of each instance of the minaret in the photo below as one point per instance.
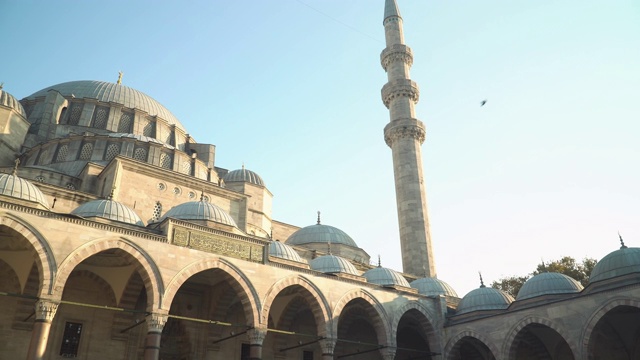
(404, 135)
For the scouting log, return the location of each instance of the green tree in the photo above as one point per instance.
(567, 265)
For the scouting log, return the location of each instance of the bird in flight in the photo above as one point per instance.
(483, 102)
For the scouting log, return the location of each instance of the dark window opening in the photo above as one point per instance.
(70, 340)
(307, 355)
(244, 352)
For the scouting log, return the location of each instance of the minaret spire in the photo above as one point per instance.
(405, 135)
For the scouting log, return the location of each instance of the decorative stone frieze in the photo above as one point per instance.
(327, 345)
(396, 52)
(400, 88)
(404, 131)
(46, 310)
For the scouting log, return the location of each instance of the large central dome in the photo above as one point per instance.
(109, 92)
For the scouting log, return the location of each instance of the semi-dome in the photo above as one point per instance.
(332, 264)
(385, 277)
(433, 287)
(620, 262)
(484, 298)
(243, 175)
(16, 187)
(7, 100)
(108, 209)
(200, 210)
(112, 93)
(284, 251)
(319, 233)
(547, 284)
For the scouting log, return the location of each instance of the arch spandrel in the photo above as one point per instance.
(508, 348)
(381, 324)
(318, 303)
(468, 333)
(241, 284)
(145, 266)
(598, 314)
(45, 261)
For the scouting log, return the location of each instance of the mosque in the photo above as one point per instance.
(122, 238)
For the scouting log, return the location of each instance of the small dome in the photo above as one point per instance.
(320, 234)
(385, 277)
(484, 298)
(243, 175)
(108, 209)
(433, 287)
(333, 264)
(620, 262)
(284, 251)
(200, 210)
(16, 187)
(7, 100)
(548, 283)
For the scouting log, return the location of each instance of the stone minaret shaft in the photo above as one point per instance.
(405, 134)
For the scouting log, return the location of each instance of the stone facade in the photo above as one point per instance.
(126, 281)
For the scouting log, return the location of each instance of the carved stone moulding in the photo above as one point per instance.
(396, 52)
(400, 88)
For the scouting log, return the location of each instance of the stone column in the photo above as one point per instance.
(45, 311)
(327, 346)
(256, 338)
(388, 353)
(155, 324)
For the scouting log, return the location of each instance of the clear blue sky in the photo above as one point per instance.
(548, 167)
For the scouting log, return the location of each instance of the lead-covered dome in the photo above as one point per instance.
(284, 251)
(243, 175)
(112, 93)
(620, 262)
(108, 209)
(548, 284)
(7, 100)
(484, 298)
(200, 210)
(319, 233)
(433, 287)
(19, 188)
(385, 277)
(331, 264)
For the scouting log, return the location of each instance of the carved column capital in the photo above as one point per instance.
(46, 310)
(256, 336)
(327, 345)
(156, 322)
(388, 353)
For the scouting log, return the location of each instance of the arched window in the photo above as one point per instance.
(62, 153)
(140, 154)
(124, 126)
(165, 161)
(86, 151)
(157, 211)
(100, 118)
(112, 151)
(76, 111)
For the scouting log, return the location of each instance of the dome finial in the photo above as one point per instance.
(318, 217)
(481, 281)
(622, 245)
(15, 167)
(243, 165)
(379, 262)
(202, 195)
(1, 85)
(112, 193)
(120, 73)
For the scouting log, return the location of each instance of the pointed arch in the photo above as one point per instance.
(508, 348)
(145, 266)
(45, 261)
(241, 284)
(428, 323)
(380, 323)
(468, 333)
(313, 295)
(598, 314)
